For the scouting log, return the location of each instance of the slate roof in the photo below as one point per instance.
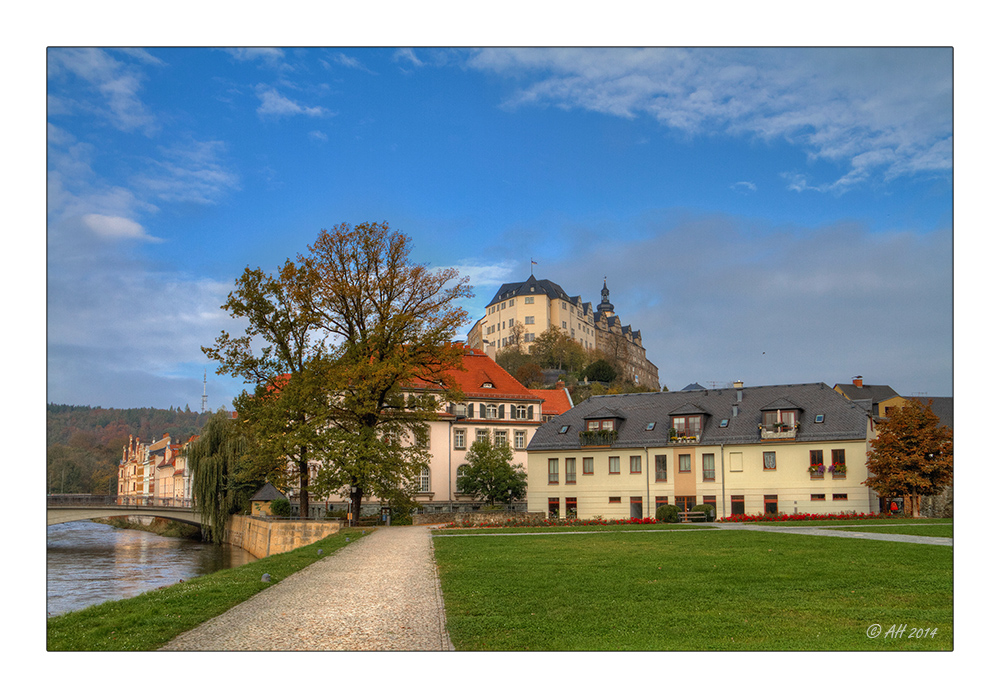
(842, 419)
(267, 493)
(523, 288)
(942, 407)
(875, 393)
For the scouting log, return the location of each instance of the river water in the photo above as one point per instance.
(89, 563)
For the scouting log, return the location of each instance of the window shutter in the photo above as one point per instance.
(531, 411)
(500, 413)
(482, 411)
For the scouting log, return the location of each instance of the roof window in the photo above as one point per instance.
(820, 418)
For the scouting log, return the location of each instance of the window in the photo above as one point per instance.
(564, 325)
(462, 469)
(553, 507)
(588, 466)
(787, 418)
(635, 464)
(570, 507)
(519, 411)
(500, 437)
(737, 505)
(571, 471)
(614, 500)
(491, 412)
(553, 471)
(662, 502)
(635, 507)
(684, 463)
(838, 463)
(689, 426)
(708, 466)
(520, 437)
(529, 319)
(529, 336)
(529, 300)
(710, 501)
(425, 479)
(460, 439)
(661, 468)
(770, 504)
(483, 435)
(770, 460)
(651, 426)
(613, 465)
(839, 495)
(608, 425)
(816, 464)
(564, 428)
(817, 497)
(820, 418)
(724, 423)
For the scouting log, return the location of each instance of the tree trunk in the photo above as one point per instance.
(303, 484)
(356, 505)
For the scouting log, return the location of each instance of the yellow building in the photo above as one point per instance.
(769, 449)
(880, 399)
(521, 311)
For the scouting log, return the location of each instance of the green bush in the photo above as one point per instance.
(667, 513)
(708, 509)
(281, 507)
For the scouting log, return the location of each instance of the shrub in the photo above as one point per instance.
(667, 513)
(708, 509)
(281, 508)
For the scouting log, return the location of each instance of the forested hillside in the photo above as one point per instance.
(84, 444)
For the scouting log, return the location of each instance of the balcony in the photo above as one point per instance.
(598, 438)
(778, 431)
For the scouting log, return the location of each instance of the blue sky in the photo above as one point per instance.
(767, 215)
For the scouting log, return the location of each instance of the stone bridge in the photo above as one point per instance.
(63, 508)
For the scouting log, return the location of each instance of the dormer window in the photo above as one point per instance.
(688, 425)
(600, 425)
(787, 419)
(487, 384)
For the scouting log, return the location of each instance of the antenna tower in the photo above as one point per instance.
(204, 394)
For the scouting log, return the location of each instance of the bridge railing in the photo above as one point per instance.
(100, 500)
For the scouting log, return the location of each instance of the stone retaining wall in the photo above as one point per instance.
(263, 537)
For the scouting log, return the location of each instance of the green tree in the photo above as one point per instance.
(911, 456)
(278, 354)
(491, 475)
(219, 483)
(553, 348)
(600, 370)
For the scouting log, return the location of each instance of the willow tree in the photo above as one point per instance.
(218, 485)
(390, 324)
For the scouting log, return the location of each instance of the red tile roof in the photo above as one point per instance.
(556, 401)
(478, 370)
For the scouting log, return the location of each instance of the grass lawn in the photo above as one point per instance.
(150, 620)
(692, 590)
(938, 530)
(855, 522)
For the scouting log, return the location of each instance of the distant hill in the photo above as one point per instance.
(84, 444)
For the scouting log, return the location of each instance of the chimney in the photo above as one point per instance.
(737, 384)
(858, 383)
(560, 385)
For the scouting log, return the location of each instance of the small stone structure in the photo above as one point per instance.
(261, 537)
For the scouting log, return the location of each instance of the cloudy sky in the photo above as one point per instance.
(768, 215)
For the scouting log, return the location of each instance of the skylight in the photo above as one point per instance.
(564, 428)
(820, 418)
(651, 426)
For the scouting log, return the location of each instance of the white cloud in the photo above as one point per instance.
(274, 104)
(192, 171)
(113, 92)
(115, 227)
(407, 55)
(883, 113)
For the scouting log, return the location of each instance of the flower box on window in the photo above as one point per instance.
(600, 437)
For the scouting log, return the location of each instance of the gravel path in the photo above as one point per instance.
(378, 593)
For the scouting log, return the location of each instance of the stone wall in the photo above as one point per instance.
(263, 537)
(437, 518)
(477, 517)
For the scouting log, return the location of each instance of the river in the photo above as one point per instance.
(89, 563)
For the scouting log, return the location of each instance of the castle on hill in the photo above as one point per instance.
(522, 310)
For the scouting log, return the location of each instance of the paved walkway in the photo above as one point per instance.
(836, 532)
(378, 593)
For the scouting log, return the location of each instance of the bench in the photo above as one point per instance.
(689, 516)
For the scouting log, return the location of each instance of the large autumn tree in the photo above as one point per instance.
(391, 323)
(332, 342)
(911, 456)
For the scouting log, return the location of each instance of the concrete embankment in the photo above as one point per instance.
(263, 537)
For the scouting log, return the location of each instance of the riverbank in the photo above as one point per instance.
(150, 620)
